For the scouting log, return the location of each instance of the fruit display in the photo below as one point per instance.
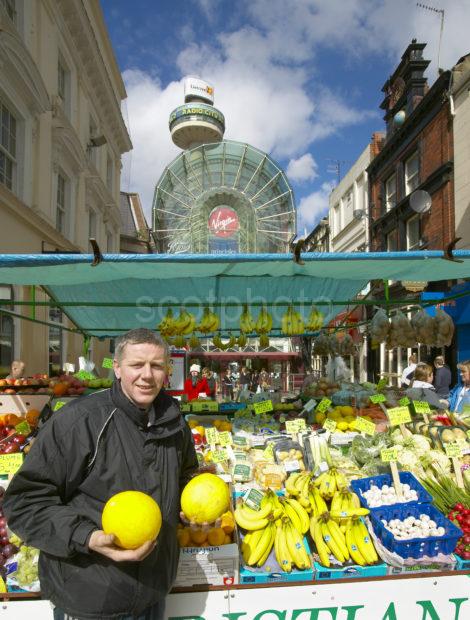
(62, 385)
(217, 534)
(133, 517)
(292, 323)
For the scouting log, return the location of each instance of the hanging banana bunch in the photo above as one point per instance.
(242, 340)
(185, 323)
(292, 323)
(194, 341)
(264, 341)
(247, 324)
(264, 322)
(315, 320)
(209, 322)
(167, 326)
(179, 341)
(223, 346)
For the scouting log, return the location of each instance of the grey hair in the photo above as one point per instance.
(142, 335)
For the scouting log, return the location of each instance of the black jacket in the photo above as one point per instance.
(442, 381)
(55, 500)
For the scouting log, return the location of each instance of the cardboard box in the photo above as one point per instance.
(216, 566)
(433, 567)
(21, 403)
(351, 571)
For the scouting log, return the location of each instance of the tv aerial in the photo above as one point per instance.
(420, 201)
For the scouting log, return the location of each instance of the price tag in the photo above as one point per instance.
(212, 436)
(240, 441)
(292, 426)
(241, 472)
(23, 428)
(219, 456)
(330, 425)
(301, 425)
(377, 398)
(225, 438)
(389, 455)
(364, 426)
(310, 405)
(421, 406)
(240, 456)
(10, 463)
(185, 407)
(403, 402)
(202, 405)
(59, 404)
(382, 384)
(291, 465)
(323, 405)
(263, 407)
(268, 452)
(399, 415)
(453, 450)
(253, 498)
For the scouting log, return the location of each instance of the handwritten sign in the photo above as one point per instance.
(212, 435)
(403, 402)
(399, 415)
(323, 405)
(10, 463)
(202, 405)
(225, 438)
(377, 398)
(453, 450)
(295, 426)
(364, 426)
(263, 407)
(389, 455)
(329, 425)
(219, 456)
(107, 362)
(23, 428)
(59, 404)
(421, 406)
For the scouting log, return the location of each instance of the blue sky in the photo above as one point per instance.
(299, 79)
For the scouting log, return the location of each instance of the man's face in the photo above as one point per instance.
(17, 370)
(142, 371)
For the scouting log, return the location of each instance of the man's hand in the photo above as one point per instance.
(104, 544)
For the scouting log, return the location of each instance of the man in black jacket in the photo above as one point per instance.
(131, 437)
(442, 377)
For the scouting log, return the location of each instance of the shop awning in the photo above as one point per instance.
(127, 290)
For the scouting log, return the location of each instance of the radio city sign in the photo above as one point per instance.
(223, 222)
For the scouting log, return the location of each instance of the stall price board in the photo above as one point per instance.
(220, 455)
(253, 498)
(421, 407)
(377, 398)
(399, 415)
(268, 452)
(10, 463)
(329, 425)
(364, 426)
(310, 405)
(225, 438)
(453, 450)
(323, 405)
(212, 435)
(295, 426)
(389, 455)
(201, 405)
(263, 407)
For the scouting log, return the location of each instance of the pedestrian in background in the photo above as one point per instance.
(442, 377)
(405, 377)
(227, 384)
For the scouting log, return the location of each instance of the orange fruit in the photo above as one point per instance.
(227, 539)
(133, 517)
(227, 522)
(216, 537)
(60, 389)
(184, 537)
(198, 536)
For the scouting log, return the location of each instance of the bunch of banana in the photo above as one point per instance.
(360, 545)
(328, 538)
(179, 342)
(292, 323)
(317, 503)
(291, 548)
(194, 342)
(242, 340)
(320, 450)
(345, 505)
(296, 513)
(315, 320)
(257, 548)
(329, 481)
(252, 520)
(264, 341)
(209, 322)
(167, 326)
(247, 323)
(264, 322)
(297, 485)
(186, 323)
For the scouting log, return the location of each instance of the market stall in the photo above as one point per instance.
(334, 482)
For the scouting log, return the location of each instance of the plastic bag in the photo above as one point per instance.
(379, 326)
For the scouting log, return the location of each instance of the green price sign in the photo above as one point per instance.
(323, 405)
(421, 406)
(225, 438)
(240, 441)
(219, 456)
(59, 404)
(389, 455)
(185, 407)
(399, 415)
(330, 425)
(263, 407)
(10, 463)
(364, 426)
(107, 362)
(212, 435)
(405, 401)
(453, 450)
(377, 398)
(23, 428)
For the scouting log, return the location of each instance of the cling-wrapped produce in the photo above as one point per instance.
(401, 332)
(347, 346)
(443, 329)
(379, 326)
(423, 325)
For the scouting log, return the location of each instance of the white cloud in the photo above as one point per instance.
(313, 207)
(302, 169)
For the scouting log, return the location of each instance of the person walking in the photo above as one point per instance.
(442, 377)
(131, 436)
(244, 380)
(227, 382)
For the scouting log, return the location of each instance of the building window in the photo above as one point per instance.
(391, 192)
(55, 342)
(412, 233)
(7, 332)
(412, 173)
(392, 241)
(92, 225)
(10, 9)
(7, 146)
(109, 173)
(61, 204)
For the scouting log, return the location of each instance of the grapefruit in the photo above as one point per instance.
(205, 498)
(133, 517)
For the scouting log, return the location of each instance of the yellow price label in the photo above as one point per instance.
(225, 438)
(399, 415)
(453, 450)
(377, 398)
(268, 452)
(212, 435)
(10, 463)
(292, 426)
(329, 425)
(421, 406)
(323, 405)
(219, 456)
(364, 426)
(59, 404)
(389, 455)
(107, 362)
(263, 407)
